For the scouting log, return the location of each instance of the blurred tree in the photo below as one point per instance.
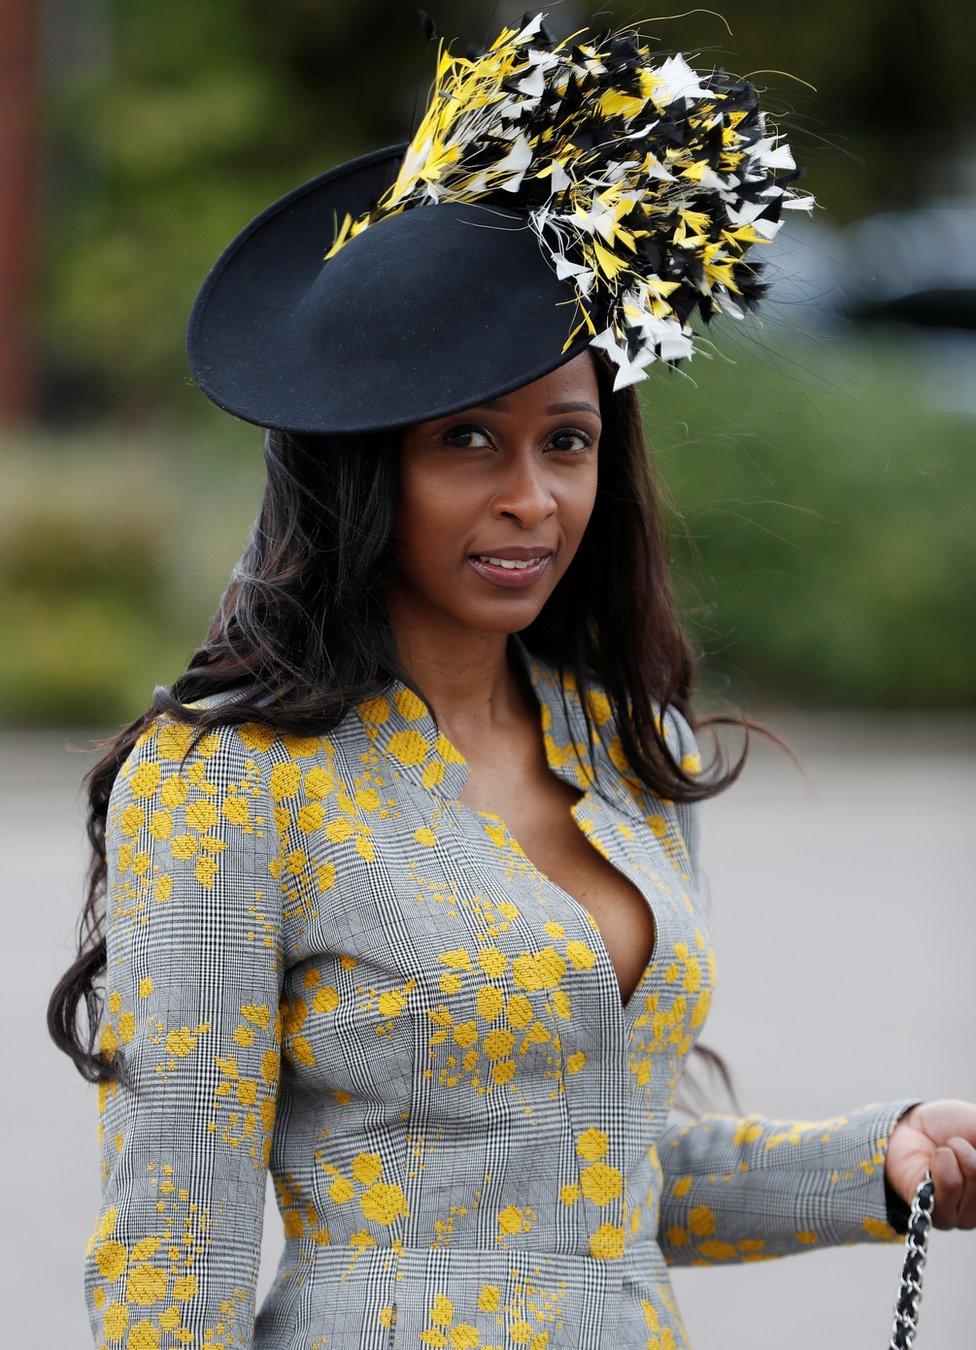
(18, 206)
(205, 114)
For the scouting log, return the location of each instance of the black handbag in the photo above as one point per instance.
(916, 1248)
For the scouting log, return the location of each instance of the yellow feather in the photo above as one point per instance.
(697, 220)
(615, 103)
(721, 274)
(586, 322)
(504, 36)
(340, 238)
(609, 263)
(745, 234)
(655, 286)
(649, 81)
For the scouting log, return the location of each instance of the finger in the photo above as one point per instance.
(948, 1179)
(966, 1158)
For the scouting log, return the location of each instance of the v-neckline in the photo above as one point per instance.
(578, 807)
(402, 724)
(584, 915)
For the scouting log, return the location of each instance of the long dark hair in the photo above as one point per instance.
(301, 635)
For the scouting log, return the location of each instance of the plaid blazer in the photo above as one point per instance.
(322, 965)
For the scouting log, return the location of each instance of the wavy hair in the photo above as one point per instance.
(301, 635)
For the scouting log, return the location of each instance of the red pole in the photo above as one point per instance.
(19, 217)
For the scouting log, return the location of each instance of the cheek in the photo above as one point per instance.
(577, 504)
(430, 522)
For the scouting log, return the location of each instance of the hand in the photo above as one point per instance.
(941, 1137)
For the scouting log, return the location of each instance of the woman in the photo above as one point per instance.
(401, 876)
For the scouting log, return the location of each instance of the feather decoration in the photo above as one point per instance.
(646, 184)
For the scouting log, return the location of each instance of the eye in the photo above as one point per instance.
(466, 430)
(573, 433)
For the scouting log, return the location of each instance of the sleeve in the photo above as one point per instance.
(193, 928)
(749, 1188)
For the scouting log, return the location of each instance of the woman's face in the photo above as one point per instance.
(513, 479)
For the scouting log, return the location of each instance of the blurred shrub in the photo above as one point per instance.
(79, 659)
(825, 522)
(822, 539)
(58, 550)
(113, 554)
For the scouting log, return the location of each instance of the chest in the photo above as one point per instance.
(444, 956)
(431, 961)
(538, 812)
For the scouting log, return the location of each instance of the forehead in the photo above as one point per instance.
(571, 387)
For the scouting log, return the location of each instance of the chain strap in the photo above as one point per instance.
(916, 1248)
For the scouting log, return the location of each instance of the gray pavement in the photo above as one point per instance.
(842, 899)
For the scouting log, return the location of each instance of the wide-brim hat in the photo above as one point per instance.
(423, 314)
(554, 197)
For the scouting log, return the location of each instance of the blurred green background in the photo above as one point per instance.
(821, 488)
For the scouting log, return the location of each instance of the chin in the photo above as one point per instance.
(507, 616)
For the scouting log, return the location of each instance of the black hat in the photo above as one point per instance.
(555, 196)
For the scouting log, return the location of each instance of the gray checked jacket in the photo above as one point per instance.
(324, 967)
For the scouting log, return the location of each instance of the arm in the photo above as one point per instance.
(748, 1188)
(193, 980)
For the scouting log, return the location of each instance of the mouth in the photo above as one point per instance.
(503, 570)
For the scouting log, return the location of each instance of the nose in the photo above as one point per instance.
(524, 491)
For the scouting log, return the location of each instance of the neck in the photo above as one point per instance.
(467, 676)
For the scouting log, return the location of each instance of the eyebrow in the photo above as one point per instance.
(499, 403)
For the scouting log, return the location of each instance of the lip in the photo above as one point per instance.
(516, 552)
(511, 576)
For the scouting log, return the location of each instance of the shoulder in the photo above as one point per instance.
(680, 738)
(168, 746)
(190, 801)
(674, 725)
(167, 737)
(246, 799)
(171, 765)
